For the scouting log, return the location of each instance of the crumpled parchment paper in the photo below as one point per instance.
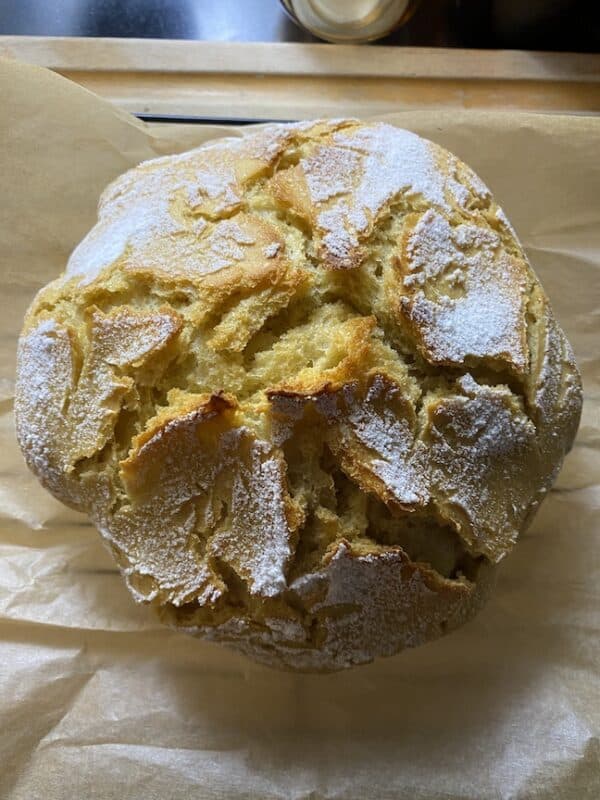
(98, 701)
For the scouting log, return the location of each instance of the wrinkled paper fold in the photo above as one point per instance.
(98, 701)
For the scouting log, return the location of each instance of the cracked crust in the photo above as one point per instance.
(306, 385)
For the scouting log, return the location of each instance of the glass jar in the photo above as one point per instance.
(350, 21)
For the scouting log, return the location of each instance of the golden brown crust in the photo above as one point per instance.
(307, 386)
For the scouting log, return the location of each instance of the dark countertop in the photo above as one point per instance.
(570, 25)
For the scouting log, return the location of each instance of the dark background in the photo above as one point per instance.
(529, 24)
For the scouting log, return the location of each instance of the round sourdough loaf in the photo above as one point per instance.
(306, 385)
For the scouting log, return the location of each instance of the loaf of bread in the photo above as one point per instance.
(306, 385)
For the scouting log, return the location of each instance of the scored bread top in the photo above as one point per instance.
(304, 381)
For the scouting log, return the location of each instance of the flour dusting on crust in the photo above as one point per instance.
(306, 385)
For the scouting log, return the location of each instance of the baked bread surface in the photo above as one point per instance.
(306, 385)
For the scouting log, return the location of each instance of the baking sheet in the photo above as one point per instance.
(98, 701)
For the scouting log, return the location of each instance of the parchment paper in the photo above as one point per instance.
(98, 701)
